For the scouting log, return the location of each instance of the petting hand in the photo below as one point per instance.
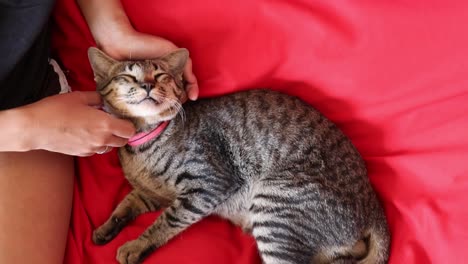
(115, 35)
(72, 124)
(136, 45)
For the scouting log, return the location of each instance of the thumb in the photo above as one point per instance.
(90, 98)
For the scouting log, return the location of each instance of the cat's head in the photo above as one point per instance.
(146, 92)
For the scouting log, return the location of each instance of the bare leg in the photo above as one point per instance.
(35, 206)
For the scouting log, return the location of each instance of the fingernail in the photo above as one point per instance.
(193, 97)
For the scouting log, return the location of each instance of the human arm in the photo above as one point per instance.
(67, 123)
(115, 35)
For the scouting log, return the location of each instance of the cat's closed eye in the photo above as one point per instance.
(166, 79)
(124, 79)
(162, 77)
(121, 79)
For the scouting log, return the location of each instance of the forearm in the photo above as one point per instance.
(16, 131)
(106, 20)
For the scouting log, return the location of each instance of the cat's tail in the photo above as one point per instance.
(372, 248)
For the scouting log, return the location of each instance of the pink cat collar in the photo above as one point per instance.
(144, 137)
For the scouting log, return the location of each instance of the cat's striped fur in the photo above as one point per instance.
(267, 161)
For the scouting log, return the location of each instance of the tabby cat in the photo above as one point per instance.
(267, 161)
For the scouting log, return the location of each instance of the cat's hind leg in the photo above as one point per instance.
(282, 225)
(279, 241)
(134, 204)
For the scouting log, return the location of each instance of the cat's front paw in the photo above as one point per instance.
(108, 230)
(104, 234)
(99, 238)
(134, 252)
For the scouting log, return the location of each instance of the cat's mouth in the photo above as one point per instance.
(152, 100)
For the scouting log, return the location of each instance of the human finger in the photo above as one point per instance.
(115, 142)
(87, 154)
(90, 98)
(192, 84)
(122, 128)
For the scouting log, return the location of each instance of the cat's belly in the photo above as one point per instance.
(236, 209)
(141, 179)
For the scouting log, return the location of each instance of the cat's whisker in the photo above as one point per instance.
(178, 108)
(174, 109)
(181, 112)
(178, 112)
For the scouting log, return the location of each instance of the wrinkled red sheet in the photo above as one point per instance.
(392, 74)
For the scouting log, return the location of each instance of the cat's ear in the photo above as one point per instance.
(100, 62)
(176, 60)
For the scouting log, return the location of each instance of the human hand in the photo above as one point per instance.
(131, 44)
(72, 124)
(115, 35)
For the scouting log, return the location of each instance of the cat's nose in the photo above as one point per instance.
(147, 86)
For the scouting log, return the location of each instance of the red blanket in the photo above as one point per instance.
(393, 75)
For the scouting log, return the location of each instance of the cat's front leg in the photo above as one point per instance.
(134, 204)
(184, 212)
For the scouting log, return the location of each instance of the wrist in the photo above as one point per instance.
(112, 33)
(17, 135)
(116, 43)
(108, 23)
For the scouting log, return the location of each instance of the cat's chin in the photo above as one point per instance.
(148, 108)
(155, 115)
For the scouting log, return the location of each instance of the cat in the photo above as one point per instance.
(265, 160)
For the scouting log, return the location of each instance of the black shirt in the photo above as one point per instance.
(24, 49)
